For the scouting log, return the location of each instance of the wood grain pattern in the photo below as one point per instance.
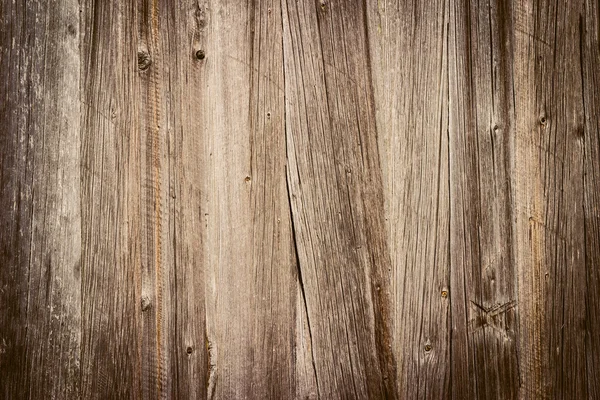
(336, 198)
(410, 75)
(589, 31)
(250, 261)
(110, 201)
(483, 282)
(549, 199)
(309, 199)
(40, 237)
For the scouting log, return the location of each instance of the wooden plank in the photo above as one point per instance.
(549, 219)
(483, 277)
(251, 288)
(590, 76)
(336, 198)
(156, 245)
(110, 199)
(219, 264)
(410, 77)
(181, 31)
(39, 198)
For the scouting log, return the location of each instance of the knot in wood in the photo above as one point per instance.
(144, 60)
(145, 303)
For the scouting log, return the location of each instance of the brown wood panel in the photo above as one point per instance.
(482, 274)
(40, 217)
(337, 198)
(215, 199)
(549, 220)
(220, 267)
(589, 31)
(251, 289)
(409, 50)
(110, 201)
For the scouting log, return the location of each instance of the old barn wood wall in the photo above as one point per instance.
(300, 199)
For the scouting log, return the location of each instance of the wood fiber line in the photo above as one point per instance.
(336, 198)
(410, 76)
(111, 225)
(549, 220)
(483, 277)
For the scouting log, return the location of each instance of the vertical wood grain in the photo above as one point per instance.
(410, 75)
(336, 198)
(157, 263)
(549, 219)
(40, 217)
(251, 289)
(589, 30)
(215, 199)
(220, 263)
(110, 199)
(182, 34)
(483, 277)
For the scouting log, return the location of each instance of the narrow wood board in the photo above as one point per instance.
(40, 191)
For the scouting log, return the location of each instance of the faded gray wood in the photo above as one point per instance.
(40, 217)
(300, 199)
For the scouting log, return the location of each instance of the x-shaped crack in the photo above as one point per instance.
(486, 316)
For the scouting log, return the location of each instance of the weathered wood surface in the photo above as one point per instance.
(300, 199)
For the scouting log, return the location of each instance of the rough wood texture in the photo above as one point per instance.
(488, 132)
(482, 275)
(110, 201)
(215, 199)
(549, 222)
(409, 45)
(40, 192)
(336, 198)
